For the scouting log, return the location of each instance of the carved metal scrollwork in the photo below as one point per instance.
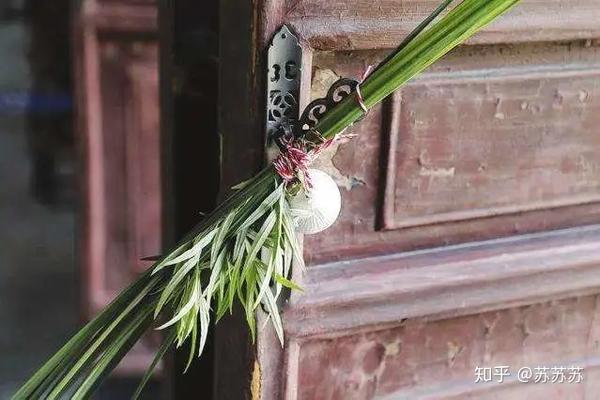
(313, 113)
(283, 85)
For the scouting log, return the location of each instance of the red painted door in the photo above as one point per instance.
(469, 233)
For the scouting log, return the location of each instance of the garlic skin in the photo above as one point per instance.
(317, 210)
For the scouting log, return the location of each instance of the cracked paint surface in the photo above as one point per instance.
(426, 358)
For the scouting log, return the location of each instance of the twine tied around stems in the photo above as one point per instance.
(358, 94)
(298, 153)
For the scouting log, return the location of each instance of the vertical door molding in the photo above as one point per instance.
(116, 91)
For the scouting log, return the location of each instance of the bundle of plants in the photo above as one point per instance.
(244, 250)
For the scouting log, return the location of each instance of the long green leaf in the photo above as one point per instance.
(273, 310)
(287, 283)
(91, 351)
(173, 283)
(123, 343)
(263, 208)
(59, 364)
(167, 343)
(273, 255)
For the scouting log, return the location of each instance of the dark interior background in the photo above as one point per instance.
(38, 272)
(188, 32)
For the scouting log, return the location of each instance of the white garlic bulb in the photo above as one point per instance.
(318, 209)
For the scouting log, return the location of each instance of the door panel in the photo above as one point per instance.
(500, 160)
(117, 123)
(434, 359)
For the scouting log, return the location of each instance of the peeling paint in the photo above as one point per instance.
(392, 349)
(322, 80)
(587, 166)
(558, 100)
(355, 182)
(427, 170)
(454, 349)
(325, 163)
(437, 172)
(369, 365)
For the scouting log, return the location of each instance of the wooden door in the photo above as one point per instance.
(469, 232)
(117, 103)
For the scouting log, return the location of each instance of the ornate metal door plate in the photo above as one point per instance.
(283, 83)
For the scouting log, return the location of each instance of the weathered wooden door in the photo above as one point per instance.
(467, 236)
